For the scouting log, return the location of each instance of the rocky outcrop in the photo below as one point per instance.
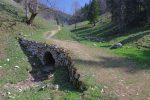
(52, 54)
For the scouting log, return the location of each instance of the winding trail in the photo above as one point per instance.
(50, 34)
(115, 74)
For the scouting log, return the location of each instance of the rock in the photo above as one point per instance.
(94, 44)
(102, 91)
(20, 90)
(17, 67)
(117, 45)
(52, 75)
(0, 66)
(8, 93)
(56, 87)
(8, 59)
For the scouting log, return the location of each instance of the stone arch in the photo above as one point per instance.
(48, 59)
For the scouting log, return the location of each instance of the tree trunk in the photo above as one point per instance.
(148, 12)
(33, 15)
(75, 25)
(26, 9)
(94, 23)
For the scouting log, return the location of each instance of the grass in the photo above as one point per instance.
(136, 41)
(11, 55)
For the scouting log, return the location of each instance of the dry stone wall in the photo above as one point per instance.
(60, 55)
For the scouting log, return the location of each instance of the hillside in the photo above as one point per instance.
(106, 74)
(13, 62)
(52, 14)
(124, 72)
(49, 13)
(103, 35)
(15, 66)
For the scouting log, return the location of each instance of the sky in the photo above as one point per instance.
(66, 5)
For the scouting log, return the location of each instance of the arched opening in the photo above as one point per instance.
(48, 59)
(49, 63)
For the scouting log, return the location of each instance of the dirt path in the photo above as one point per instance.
(115, 74)
(50, 34)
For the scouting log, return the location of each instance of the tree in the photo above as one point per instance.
(94, 12)
(129, 13)
(147, 3)
(32, 6)
(76, 6)
(103, 6)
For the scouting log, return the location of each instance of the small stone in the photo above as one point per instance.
(8, 59)
(17, 67)
(20, 90)
(123, 95)
(137, 93)
(56, 87)
(102, 91)
(92, 88)
(8, 93)
(94, 44)
(48, 98)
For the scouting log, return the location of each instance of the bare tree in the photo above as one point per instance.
(32, 6)
(26, 8)
(33, 9)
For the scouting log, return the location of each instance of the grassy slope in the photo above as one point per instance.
(11, 25)
(11, 50)
(134, 40)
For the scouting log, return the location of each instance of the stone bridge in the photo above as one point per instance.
(53, 56)
(48, 54)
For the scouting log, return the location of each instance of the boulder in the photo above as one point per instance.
(117, 45)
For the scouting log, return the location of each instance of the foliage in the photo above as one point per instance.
(135, 41)
(129, 13)
(93, 12)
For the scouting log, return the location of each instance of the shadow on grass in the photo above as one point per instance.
(115, 62)
(108, 32)
(134, 38)
(106, 46)
(142, 58)
(80, 29)
(98, 32)
(62, 79)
